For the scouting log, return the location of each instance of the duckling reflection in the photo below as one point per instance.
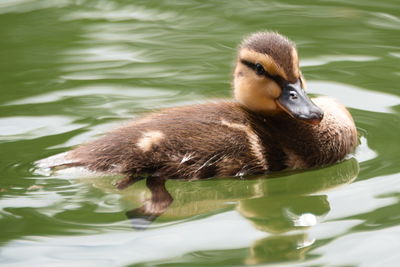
(154, 207)
(293, 208)
(272, 205)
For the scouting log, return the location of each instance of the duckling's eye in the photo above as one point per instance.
(259, 69)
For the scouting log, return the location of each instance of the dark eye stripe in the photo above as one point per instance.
(278, 79)
(260, 69)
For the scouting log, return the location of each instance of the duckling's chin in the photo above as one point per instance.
(312, 122)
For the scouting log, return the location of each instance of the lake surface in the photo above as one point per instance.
(71, 70)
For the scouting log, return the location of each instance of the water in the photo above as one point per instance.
(71, 70)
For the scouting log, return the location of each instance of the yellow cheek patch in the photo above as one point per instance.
(257, 95)
(268, 62)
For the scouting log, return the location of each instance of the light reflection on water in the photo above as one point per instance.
(74, 69)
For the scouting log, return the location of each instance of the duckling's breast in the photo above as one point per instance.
(337, 130)
(306, 145)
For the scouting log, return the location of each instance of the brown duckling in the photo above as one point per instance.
(272, 125)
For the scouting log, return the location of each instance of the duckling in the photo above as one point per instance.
(271, 125)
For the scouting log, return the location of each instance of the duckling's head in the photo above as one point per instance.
(267, 78)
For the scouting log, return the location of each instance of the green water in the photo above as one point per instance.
(71, 70)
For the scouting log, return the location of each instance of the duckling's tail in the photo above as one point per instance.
(55, 163)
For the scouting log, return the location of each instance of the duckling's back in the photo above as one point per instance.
(200, 141)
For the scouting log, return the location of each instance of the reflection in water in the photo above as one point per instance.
(275, 206)
(155, 206)
(297, 208)
(292, 203)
